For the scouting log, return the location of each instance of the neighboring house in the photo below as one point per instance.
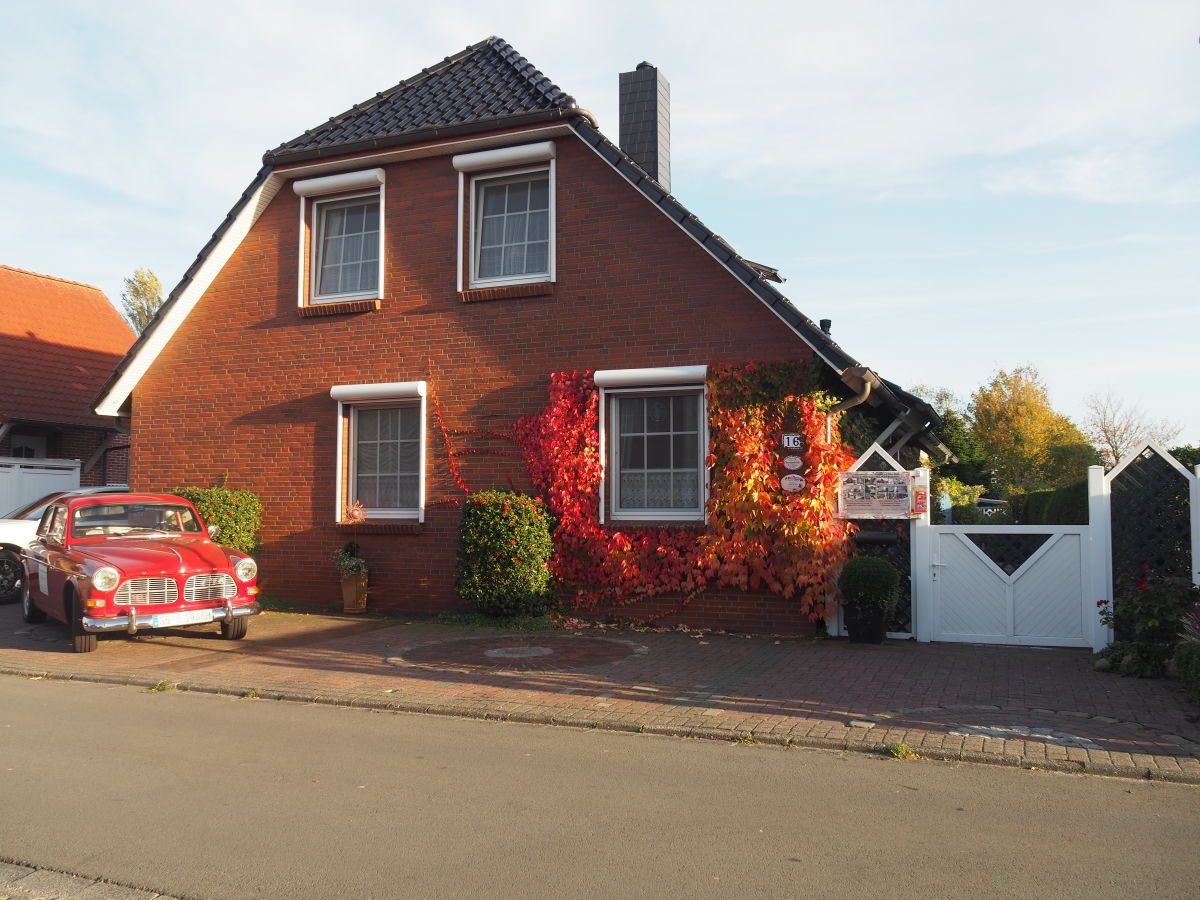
(395, 288)
(61, 342)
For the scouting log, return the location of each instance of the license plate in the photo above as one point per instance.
(191, 617)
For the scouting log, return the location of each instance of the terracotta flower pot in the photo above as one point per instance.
(354, 593)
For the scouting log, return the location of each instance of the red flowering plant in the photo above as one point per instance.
(1147, 616)
(758, 537)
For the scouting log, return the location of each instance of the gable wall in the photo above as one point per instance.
(242, 391)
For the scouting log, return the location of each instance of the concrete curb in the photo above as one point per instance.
(484, 710)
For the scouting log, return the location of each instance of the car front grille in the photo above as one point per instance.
(147, 591)
(209, 587)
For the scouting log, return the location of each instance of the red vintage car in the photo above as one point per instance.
(129, 562)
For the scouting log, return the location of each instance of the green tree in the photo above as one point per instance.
(141, 298)
(1187, 454)
(1030, 446)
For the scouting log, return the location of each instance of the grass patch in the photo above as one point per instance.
(161, 688)
(902, 751)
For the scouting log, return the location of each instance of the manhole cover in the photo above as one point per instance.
(542, 653)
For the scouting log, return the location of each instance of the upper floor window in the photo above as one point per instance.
(347, 248)
(507, 198)
(341, 237)
(511, 237)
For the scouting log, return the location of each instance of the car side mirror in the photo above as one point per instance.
(212, 531)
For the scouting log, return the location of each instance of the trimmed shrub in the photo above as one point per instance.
(504, 551)
(868, 581)
(1187, 655)
(237, 514)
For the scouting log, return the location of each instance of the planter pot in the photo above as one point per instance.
(867, 626)
(354, 593)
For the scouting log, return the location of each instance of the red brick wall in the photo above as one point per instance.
(242, 392)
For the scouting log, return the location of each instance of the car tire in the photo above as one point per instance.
(81, 641)
(29, 612)
(234, 629)
(12, 576)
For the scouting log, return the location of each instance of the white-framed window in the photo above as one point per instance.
(341, 237)
(506, 198)
(346, 248)
(381, 449)
(654, 435)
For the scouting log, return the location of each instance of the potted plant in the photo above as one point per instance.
(870, 590)
(353, 569)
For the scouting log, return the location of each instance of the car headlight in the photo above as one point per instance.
(245, 570)
(106, 579)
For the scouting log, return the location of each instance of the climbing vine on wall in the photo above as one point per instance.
(757, 538)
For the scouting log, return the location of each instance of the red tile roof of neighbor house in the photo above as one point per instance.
(59, 342)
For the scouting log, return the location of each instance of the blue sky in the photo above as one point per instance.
(959, 186)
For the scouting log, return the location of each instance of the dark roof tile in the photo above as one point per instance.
(487, 82)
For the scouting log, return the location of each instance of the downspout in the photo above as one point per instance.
(866, 379)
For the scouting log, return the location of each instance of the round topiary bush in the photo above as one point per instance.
(868, 582)
(504, 551)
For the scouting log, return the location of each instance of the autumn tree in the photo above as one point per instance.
(1116, 428)
(957, 433)
(141, 298)
(1029, 445)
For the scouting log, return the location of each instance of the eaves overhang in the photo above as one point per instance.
(431, 133)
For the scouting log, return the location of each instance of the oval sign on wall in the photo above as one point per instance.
(792, 463)
(792, 483)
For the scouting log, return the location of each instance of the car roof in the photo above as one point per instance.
(95, 499)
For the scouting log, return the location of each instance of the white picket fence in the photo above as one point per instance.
(24, 480)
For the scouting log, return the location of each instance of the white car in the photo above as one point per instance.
(18, 528)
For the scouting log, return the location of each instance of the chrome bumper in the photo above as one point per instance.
(135, 621)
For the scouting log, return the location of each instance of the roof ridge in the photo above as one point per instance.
(51, 277)
(492, 53)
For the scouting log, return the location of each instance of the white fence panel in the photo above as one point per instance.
(24, 480)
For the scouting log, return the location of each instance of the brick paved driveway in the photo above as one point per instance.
(1012, 705)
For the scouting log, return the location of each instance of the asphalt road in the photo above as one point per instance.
(214, 797)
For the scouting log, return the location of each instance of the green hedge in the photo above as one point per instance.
(237, 514)
(1187, 667)
(504, 552)
(1062, 506)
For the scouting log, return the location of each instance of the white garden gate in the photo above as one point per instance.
(1043, 585)
(1011, 584)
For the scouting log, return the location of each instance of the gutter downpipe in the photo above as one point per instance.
(849, 376)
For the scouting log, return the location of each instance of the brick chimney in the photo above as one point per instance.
(645, 110)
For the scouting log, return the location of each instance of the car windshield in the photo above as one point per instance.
(32, 510)
(118, 519)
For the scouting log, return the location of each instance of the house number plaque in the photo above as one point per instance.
(793, 442)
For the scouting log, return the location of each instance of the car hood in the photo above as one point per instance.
(158, 556)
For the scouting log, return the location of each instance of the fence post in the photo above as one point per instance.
(1194, 505)
(1098, 585)
(920, 557)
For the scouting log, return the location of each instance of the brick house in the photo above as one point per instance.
(61, 342)
(406, 276)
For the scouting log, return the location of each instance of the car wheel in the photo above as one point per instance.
(29, 612)
(12, 576)
(81, 641)
(234, 629)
